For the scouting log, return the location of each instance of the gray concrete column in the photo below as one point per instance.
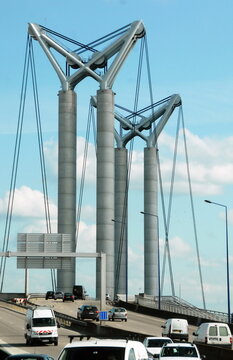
(121, 221)
(105, 187)
(67, 179)
(150, 222)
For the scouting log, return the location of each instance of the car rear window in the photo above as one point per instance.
(93, 353)
(157, 342)
(94, 308)
(223, 331)
(213, 331)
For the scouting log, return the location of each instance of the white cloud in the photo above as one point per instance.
(178, 247)
(51, 155)
(210, 163)
(28, 203)
(86, 238)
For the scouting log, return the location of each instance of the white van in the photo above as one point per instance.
(110, 349)
(214, 334)
(176, 329)
(41, 325)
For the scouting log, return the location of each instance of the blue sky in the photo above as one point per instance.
(191, 53)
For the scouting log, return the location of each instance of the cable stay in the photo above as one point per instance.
(167, 218)
(41, 150)
(80, 198)
(29, 64)
(84, 47)
(143, 110)
(15, 164)
(192, 209)
(130, 155)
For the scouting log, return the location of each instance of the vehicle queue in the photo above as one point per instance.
(175, 346)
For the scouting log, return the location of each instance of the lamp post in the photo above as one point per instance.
(227, 256)
(159, 293)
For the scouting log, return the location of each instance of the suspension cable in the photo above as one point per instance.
(83, 174)
(119, 252)
(84, 47)
(15, 163)
(40, 144)
(192, 209)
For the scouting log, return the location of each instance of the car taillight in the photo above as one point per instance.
(231, 340)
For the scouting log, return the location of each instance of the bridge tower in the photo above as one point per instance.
(118, 51)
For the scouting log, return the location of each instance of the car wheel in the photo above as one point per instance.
(125, 320)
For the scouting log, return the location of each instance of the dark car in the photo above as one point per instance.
(88, 312)
(27, 356)
(68, 297)
(49, 295)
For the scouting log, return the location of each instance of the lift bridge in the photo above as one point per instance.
(113, 133)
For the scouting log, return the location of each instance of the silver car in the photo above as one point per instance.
(117, 313)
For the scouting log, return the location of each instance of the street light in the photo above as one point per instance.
(159, 292)
(227, 256)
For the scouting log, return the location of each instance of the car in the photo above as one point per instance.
(49, 295)
(179, 351)
(88, 312)
(27, 356)
(68, 297)
(154, 344)
(117, 313)
(108, 297)
(58, 295)
(176, 329)
(104, 349)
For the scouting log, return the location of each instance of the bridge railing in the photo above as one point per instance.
(176, 305)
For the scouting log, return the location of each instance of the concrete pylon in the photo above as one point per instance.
(121, 220)
(67, 179)
(150, 222)
(105, 187)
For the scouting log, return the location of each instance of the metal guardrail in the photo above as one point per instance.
(176, 305)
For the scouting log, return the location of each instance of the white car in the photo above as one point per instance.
(179, 351)
(154, 344)
(106, 349)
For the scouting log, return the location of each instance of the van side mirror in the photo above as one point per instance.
(194, 334)
(163, 326)
(28, 326)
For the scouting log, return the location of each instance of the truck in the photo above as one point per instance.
(79, 292)
(41, 325)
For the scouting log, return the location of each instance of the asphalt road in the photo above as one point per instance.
(12, 326)
(137, 322)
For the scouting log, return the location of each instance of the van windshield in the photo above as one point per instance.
(93, 353)
(40, 322)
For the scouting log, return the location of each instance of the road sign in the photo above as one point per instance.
(103, 315)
